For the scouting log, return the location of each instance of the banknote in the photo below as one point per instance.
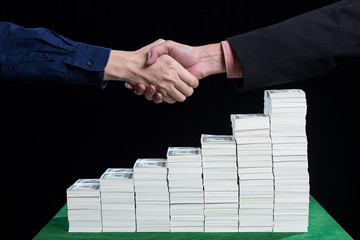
(183, 151)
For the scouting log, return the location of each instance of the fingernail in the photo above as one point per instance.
(149, 53)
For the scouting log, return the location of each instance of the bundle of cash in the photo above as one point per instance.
(152, 195)
(83, 204)
(186, 189)
(220, 183)
(287, 111)
(256, 186)
(118, 200)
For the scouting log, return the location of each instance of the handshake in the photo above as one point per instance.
(165, 71)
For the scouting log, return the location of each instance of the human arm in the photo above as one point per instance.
(299, 48)
(39, 55)
(302, 47)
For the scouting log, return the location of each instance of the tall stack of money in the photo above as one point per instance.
(118, 200)
(152, 195)
(287, 111)
(220, 183)
(83, 204)
(256, 185)
(186, 189)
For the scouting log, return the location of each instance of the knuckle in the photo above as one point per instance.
(167, 76)
(171, 64)
(170, 77)
(169, 42)
(164, 93)
(161, 87)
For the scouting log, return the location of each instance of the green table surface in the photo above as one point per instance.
(321, 226)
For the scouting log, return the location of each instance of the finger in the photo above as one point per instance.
(149, 92)
(140, 89)
(157, 98)
(188, 78)
(157, 51)
(184, 88)
(128, 85)
(176, 94)
(169, 100)
(166, 97)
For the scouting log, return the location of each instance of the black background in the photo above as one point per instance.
(53, 135)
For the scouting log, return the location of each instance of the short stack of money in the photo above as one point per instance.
(256, 184)
(84, 207)
(118, 200)
(152, 195)
(186, 189)
(220, 183)
(287, 111)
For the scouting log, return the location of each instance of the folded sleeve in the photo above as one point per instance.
(39, 55)
(299, 48)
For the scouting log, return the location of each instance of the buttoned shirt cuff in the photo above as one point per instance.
(232, 63)
(93, 59)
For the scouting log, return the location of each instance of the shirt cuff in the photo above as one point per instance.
(93, 59)
(232, 63)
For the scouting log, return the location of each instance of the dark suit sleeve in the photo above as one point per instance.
(302, 47)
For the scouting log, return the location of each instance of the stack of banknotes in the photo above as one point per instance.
(185, 189)
(152, 195)
(221, 191)
(256, 186)
(287, 112)
(118, 200)
(83, 204)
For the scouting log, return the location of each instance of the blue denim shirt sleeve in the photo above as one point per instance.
(39, 55)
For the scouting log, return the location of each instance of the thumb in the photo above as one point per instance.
(157, 51)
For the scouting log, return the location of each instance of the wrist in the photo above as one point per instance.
(117, 66)
(213, 58)
(232, 63)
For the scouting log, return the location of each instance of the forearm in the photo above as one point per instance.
(117, 66)
(212, 57)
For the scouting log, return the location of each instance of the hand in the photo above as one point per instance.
(200, 61)
(171, 80)
(149, 92)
